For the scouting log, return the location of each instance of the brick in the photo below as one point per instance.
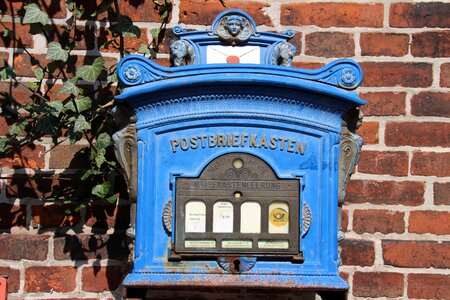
(441, 192)
(307, 65)
(409, 193)
(384, 162)
(383, 221)
(30, 156)
(357, 253)
(420, 134)
(430, 164)
(20, 37)
(418, 15)
(329, 44)
(23, 246)
(445, 75)
(100, 278)
(83, 36)
(377, 284)
(54, 8)
(130, 44)
(369, 132)
(17, 92)
(12, 216)
(50, 279)
(13, 278)
(108, 216)
(436, 222)
(189, 13)
(44, 186)
(389, 74)
(437, 286)
(431, 104)
(333, 14)
(384, 104)
(96, 246)
(54, 216)
(416, 254)
(431, 44)
(344, 221)
(68, 157)
(384, 44)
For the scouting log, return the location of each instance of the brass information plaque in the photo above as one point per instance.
(237, 205)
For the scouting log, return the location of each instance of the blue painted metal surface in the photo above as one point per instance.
(207, 100)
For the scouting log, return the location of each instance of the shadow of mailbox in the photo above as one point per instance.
(237, 162)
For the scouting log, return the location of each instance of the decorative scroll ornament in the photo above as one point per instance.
(182, 53)
(350, 148)
(167, 216)
(234, 29)
(306, 219)
(283, 54)
(132, 73)
(244, 173)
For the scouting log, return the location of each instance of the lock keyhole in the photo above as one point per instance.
(236, 265)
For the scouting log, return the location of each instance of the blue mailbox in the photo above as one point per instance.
(237, 161)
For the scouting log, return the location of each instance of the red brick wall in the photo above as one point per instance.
(396, 214)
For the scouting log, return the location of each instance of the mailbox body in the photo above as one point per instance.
(278, 122)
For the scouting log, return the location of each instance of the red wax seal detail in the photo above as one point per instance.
(232, 59)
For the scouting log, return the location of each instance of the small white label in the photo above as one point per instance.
(273, 244)
(237, 244)
(223, 217)
(195, 216)
(200, 244)
(250, 217)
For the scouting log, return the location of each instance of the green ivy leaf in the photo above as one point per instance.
(33, 14)
(7, 72)
(56, 52)
(81, 124)
(89, 173)
(3, 143)
(126, 28)
(54, 107)
(101, 190)
(91, 72)
(155, 32)
(39, 73)
(7, 32)
(32, 85)
(103, 141)
(143, 48)
(112, 199)
(79, 105)
(100, 158)
(18, 127)
(69, 87)
(112, 78)
(104, 6)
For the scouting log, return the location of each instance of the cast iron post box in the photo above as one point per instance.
(239, 161)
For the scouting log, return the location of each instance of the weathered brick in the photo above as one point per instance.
(30, 156)
(430, 164)
(307, 65)
(20, 37)
(68, 157)
(431, 104)
(408, 193)
(108, 216)
(437, 222)
(50, 279)
(330, 44)
(369, 132)
(445, 75)
(23, 246)
(417, 134)
(384, 221)
(13, 278)
(130, 44)
(441, 193)
(101, 278)
(416, 254)
(377, 284)
(384, 162)
(431, 44)
(85, 246)
(418, 15)
(41, 187)
(83, 36)
(357, 252)
(384, 104)
(17, 92)
(428, 286)
(12, 216)
(397, 73)
(54, 216)
(189, 13)
(384, 44)
(333, 14)
(54, 8)
(344, 221)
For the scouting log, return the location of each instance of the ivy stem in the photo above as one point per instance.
(121, 40)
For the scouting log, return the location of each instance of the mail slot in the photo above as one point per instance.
(236, 162)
